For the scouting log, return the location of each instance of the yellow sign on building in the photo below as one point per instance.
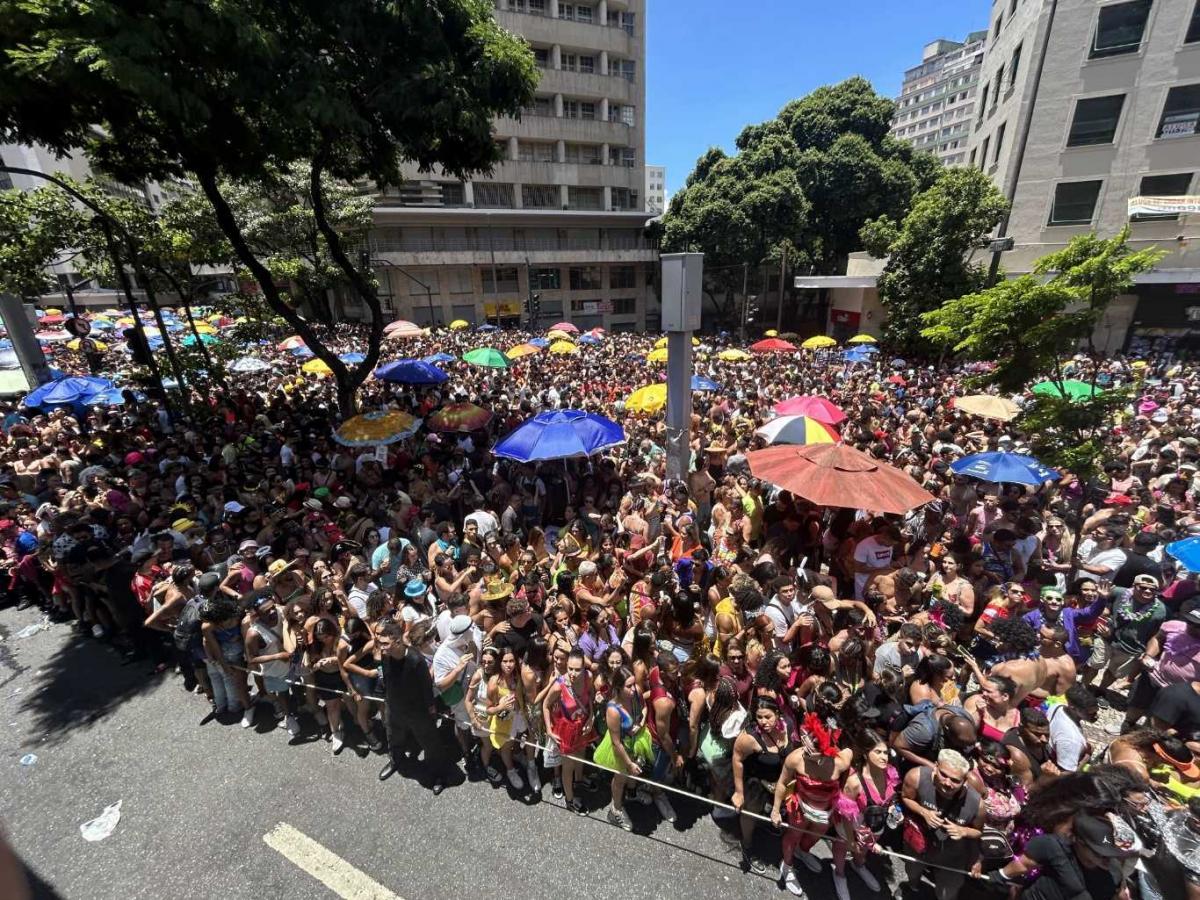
(505, 308)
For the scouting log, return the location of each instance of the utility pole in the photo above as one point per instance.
(782, 276)
(25, 345)
(745, 300)
(682, 298)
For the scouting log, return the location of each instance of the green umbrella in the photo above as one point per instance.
(1076, 390)
(488, 357)
(190, 340)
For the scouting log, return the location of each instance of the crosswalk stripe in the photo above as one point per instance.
(324, 865)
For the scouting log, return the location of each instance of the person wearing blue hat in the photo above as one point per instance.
(416, 602)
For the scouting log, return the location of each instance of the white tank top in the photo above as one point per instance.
(272, 643)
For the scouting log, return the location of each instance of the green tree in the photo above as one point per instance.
(221, 92)
(36, 229)
(806, 180)
(1030, 327)
(929, 251)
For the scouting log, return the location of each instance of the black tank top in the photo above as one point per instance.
(766, 764)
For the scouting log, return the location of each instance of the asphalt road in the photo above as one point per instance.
(198, 800)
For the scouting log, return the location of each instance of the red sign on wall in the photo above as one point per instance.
(846, 317)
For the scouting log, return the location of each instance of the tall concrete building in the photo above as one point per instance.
(656, 190)
(1085, 106)
(562, 215)
(938, 97)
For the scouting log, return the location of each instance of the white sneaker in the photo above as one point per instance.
(840, 887)
(665, 809)
(868, 879)
(248, 718)
(514, 779)
(790, 881)
(337, 741)
(97, 631)
(810, 862)
(531, 774)
(293, 726)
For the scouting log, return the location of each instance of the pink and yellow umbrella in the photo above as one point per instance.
(462, 417)
(291, 343)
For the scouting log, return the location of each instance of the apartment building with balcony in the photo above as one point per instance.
(1085, 106)
(934, 110)
(561, 215)
(656, 190)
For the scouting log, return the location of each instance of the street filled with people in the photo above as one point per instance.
(863, 617)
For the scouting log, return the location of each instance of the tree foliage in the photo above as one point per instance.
(1031, 326)
(219, 92)
(929, 251)
(36, 229)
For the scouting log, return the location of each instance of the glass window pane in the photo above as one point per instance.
(1075, 203)
(1095, 121)
(1120, 28)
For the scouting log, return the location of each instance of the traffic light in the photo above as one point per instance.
(139, 347)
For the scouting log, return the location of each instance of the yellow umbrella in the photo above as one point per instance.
(733, 355)
(316, 367)
(557, 335)
(988, 407)
(459, 324)
(375, 428)
(770, 332)
(563, 347)
(1140, 364)
(820, 342)
(125, 322)
(52, 311)
(659, 355)
(74, 345)
(205, 328)
(662, 342)
(521, 350)
(863, 339)
(649, 399)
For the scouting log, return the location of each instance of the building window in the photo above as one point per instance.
(1095, 121)
(541, 57)
(493, 195)
(1120, 28)
(585, 198)
(624, 198)
(541, 106)
(1181, 113)
(1163, 186)
(585, 278)
(1015, 66)
(999, 142)
(996, 88)
(587, 64)
(622, 156)
(534, 151)
(584, 154)
(500, 280)
(459, 281)
(454, 193)
(539, 196)
(1193, 32)
(545, 279)
(622, 278)
(623, 68)
(999, 24)
(567, 61)
(624, 306)
(1074, 203)
(983, 154)
(983, 102)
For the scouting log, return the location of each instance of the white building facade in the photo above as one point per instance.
(938, 97)
(656, 190)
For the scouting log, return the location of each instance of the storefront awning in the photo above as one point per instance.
(816, 282)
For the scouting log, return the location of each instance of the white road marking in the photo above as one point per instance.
(324, 865)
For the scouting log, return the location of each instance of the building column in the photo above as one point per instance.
(564, 196)
(514, 151)
(560, 152)
(558, 105)
(468, 193)
(552, 9)
(607, 198)
(517, 204)
(604, 109)
(604, 151)
(556, 54)
(602, 12)
(604, 62)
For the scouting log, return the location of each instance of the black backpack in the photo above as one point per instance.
(187, 629)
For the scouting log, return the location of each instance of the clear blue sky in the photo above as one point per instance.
(713, 68)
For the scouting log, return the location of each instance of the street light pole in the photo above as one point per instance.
(374, 260)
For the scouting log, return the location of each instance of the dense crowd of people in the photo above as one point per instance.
(1003, 683)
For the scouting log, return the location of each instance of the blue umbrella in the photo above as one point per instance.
(302, 352)
(589, 339)
(352, 358)
(857, 355)
(1013, 468)
(112, 397)
(438, 358)
(540, 343)
(67, 391)
(102, 325)
(700, 383)
(488, 326)
(1187, 552)
(411, 371)
(559, 434)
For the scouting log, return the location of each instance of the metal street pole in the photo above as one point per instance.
(25, 345)
(682, 293)
(782, 275)
(745, 300)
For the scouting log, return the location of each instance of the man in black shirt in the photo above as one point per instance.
(1137, 562)
(1177, 708)
(519, 627)
(1069, 869)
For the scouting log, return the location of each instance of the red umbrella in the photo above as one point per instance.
(896, 379)
(52, 319)
(838, 475)
(814, 407)
(773, 345)
(565, 326)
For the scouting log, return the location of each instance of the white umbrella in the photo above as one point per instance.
(249, 364)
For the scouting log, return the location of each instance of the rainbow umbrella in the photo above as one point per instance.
(797, 430)
(522, 350)
(487, 357)
(291, 343)
(459, 324)
(818, 342)
(316, 367)
(657, 356)
(649, 399)
(462, 417)
(563, 347)
(376, 428)
(862, 339)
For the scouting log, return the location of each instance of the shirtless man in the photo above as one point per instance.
(1049, 674)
